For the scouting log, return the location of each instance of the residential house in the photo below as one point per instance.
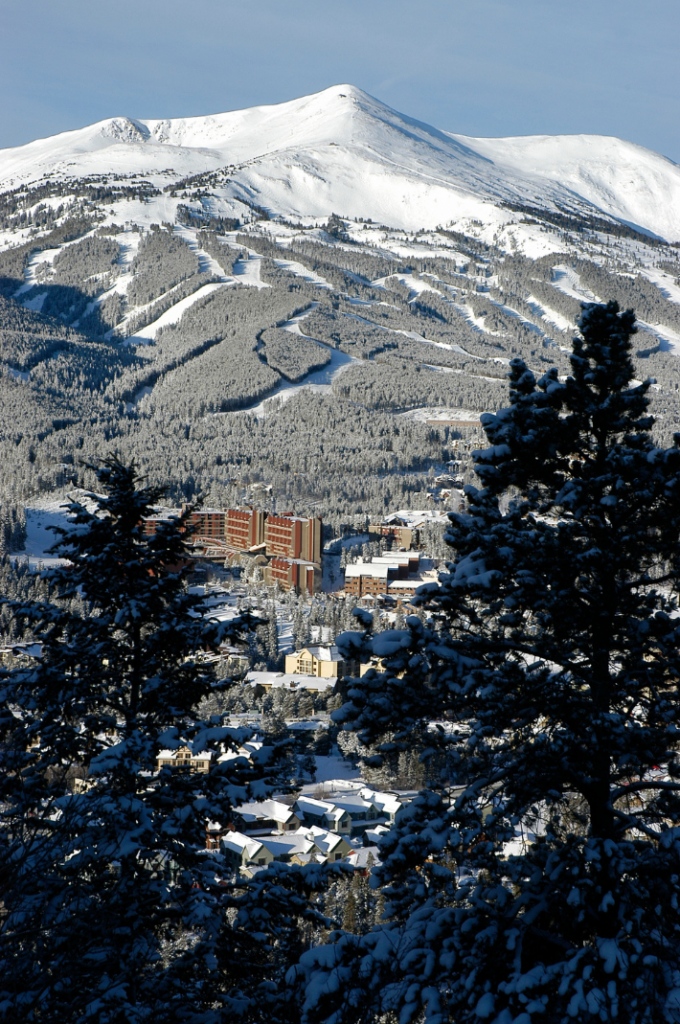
(266, 816)
(387, 803)
(330, 845)
(363, 813)
(184, 758)
(240, 850)
(324, 815)
(363, 859)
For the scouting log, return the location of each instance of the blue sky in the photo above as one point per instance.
(480, 67)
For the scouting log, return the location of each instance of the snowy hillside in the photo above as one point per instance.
(341, 150)
(313, 301)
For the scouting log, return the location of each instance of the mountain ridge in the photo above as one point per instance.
(341, 149)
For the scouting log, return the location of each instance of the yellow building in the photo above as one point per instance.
(320, 662)
(183, 758)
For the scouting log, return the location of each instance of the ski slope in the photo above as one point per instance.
(342, 150)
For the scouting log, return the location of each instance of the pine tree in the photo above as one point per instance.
(113, 910)
(272, 637)
(300, 629)
(305, 705)
(538, 879)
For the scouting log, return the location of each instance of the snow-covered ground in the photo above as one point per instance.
(333, 767)
(171, 316)
(41, 516)
(428, 413)
(566, 280)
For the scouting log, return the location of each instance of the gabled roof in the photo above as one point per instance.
(324, 840)
(321, 653)
(289, 844)
(205, 755)
(359, 858)
(319, 808)
(237, 842)
(388, 803)
(272, 809)
(354, 803)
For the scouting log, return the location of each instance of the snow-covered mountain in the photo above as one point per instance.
(342, 150)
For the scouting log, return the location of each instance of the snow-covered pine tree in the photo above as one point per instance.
(272, 637)
(539, 879)
(113, 910)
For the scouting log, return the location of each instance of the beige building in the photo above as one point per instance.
(320, 662)
(183, 758)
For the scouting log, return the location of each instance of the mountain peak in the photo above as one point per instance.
(344, 150)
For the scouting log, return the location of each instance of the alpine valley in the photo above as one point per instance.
(318, 297)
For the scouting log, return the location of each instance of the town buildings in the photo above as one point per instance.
(396, 573)
(310, 829)
(287, 547)
(403, 527)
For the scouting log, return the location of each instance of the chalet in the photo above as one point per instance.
(330, 845)
(289, 681)
(184, 758)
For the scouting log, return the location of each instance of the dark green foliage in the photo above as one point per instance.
(27, 338)
(162, 261)
(224, 254)
(537, 879)
(396, 385)
(112, 908)
(637, 291)
(292, 355)
(87, 264)
(464, 321)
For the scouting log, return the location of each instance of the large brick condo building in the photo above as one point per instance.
(289, 546)
(396, 573)
(291, 536)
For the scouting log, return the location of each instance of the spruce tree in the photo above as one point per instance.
(538, 878)
(113, 910)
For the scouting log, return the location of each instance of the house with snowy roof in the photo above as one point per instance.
(239, 850)
(291, 681)
(284, 847)
(363, 859)
(362, 811)
(373, 835)
(306, 845)
(184, 758)
(323, 814)
(265, 816)
(387, 803)
(331, 845)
